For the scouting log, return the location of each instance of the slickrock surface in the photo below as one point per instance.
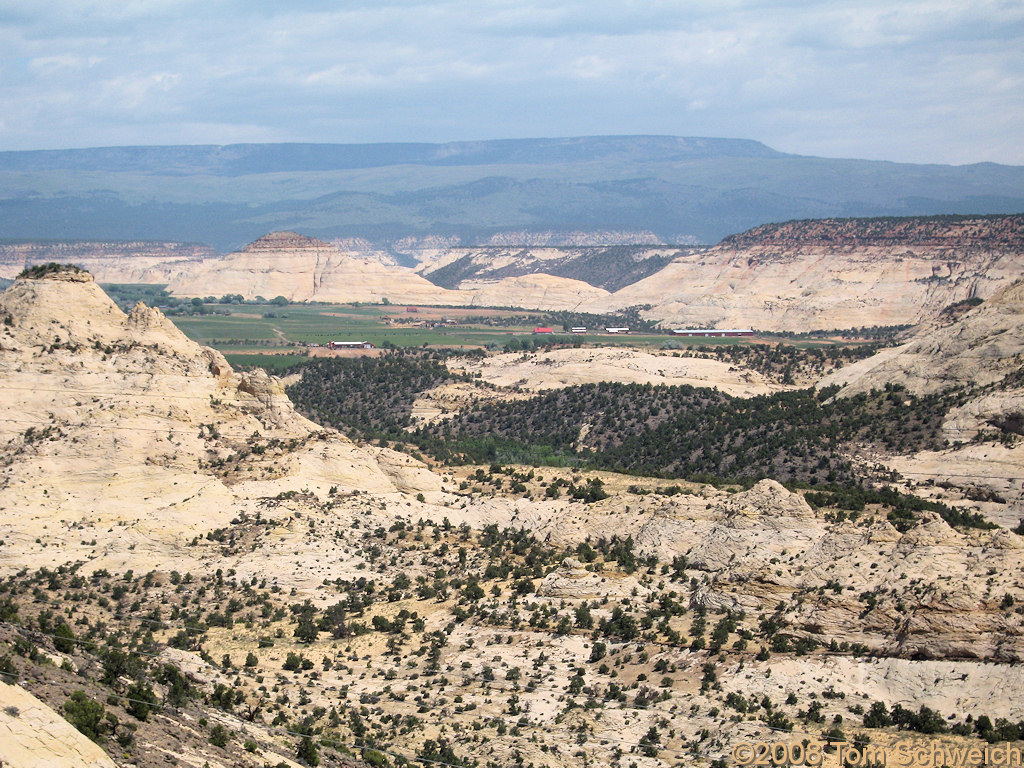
(985, 348)
(32, 735)
(981, 347)
(537, 291)
(149, 434)
(566, 367)
(125, 446)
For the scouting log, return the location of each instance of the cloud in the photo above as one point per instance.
(925, 81)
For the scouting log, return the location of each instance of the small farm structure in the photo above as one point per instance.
(349, 345)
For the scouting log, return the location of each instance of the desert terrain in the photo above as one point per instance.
(231, 583)
(794, 277)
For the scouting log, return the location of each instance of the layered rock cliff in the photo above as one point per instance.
(126, 261)
(834, 273)
(797, 276)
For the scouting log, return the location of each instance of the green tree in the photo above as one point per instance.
(85, 714)
(306, 631)
(141, 700)
(179, 689)
(307, 752)
(63, 638)
(219, 736)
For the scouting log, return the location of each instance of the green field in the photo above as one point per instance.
(262, 331)
(277, 337)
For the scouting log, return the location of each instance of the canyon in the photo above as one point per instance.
(471, 599)
(793, 277)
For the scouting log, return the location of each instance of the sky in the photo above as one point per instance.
(926, 82)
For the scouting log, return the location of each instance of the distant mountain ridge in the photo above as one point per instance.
(241, 159)
(680, 190)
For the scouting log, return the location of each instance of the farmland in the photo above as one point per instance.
(246, 333)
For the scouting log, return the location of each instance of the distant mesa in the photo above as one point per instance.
(797, 276)
(285, 241)
(651, 189)
(993, 231)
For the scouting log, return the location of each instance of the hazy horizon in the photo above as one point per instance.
(915, 82)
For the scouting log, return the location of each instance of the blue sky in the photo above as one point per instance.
(933, 81)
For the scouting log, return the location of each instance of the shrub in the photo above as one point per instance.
(85, 714)
(219, 736)
(63, 638)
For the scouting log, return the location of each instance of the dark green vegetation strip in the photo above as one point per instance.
(801, 436)
(369, 397)
(682, 431)
(783, 362)
(903, 509)
(49, 268)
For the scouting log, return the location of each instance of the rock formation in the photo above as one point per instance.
(797, 276)
(123, 261)
(568, 367)
(32, 735)
(146, 430)
(981, 351)
(129, 449)
(305, 269)
(609, 267)
(981, 347)
(834, 274)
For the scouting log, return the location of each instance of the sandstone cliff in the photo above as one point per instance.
(120, 421)
(834, 273)
(109, 262)
(797, 276)
(981, 351)
(981, 347)
(124, 446)
(607, 267)
(305, 269)
(32, 735)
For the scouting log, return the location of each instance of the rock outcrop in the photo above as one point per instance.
(609, 267)
(124, 261)
(32, 735)
(569, 367)
(983, 350)
(149, 433)
(306, 269)
(797, 276)
(835, 273)
(981, 347)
